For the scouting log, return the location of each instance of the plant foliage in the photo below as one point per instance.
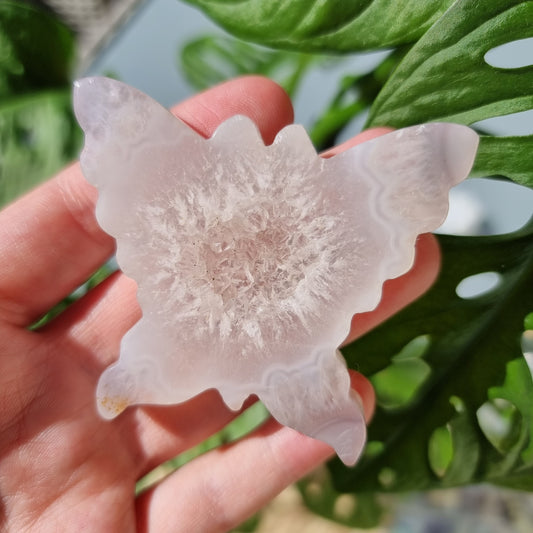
(454, 390)
(326, 26)
(38, 133)
(209, 60)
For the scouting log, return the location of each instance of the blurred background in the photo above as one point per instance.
(170, 51)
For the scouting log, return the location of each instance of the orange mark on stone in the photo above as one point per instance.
(114, 404)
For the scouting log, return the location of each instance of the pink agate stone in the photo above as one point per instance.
(251, 260)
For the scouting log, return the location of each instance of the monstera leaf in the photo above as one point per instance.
(477, 375)
(454, 390)
(330, 26)
(445, 77)
(38, 134)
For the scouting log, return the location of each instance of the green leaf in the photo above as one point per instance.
(38, 133)
(326, 26)
(528, 321)
(505, 156)
(96, 278)
(209, 60)
(399, 382)
(474, 355)
(440, 450)
(445, 77)
(37, 51)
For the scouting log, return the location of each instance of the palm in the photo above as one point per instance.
(63, 455)
(58, 453)
(64, 468)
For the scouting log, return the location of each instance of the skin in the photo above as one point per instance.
(62, 468)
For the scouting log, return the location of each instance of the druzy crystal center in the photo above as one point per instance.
(253, 265)
(245, 261)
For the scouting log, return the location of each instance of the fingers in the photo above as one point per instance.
(364, 389)
(164, 432)
(360, 138)
(222, 488)
(97, 322)
(265, 102)
(49, 244)
(49, 240)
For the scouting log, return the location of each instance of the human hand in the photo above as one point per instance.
(62, 468)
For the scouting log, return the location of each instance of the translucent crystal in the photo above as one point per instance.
(251, 260)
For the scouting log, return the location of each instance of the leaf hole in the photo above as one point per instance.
(528, 321)
(373, 448)
(526, 343)
(440, 451)
(484, 206)
(514, 54)
(398, 384)
(478, 285)
(387, 477)
(414, 349)
(345, 506)
(458, 404)
(519, 123)
(500, 421)
(466, 214)
(313, 490)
